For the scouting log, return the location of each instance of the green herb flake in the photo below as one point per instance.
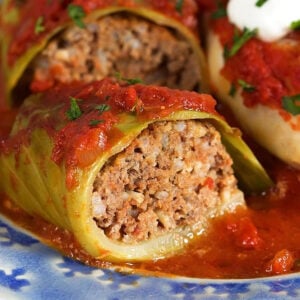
(260, 3)
(239, 41)
(76, 13)
(236, 34)
(94, 123)
(128, 80)
(291, 104)
(246, 86)
(39, 27)
(74, 111)
(297, 263)
(232, 90)
(220, 12)
(102, 107)
(179, 5)
(133, 80)
(295, 25)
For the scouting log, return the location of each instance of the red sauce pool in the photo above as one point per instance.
(247, 245)
(262, 241)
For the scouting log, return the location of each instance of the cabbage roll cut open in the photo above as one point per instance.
(50, 42)
(135, 172)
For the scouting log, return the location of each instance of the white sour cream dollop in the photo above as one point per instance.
(272, 20)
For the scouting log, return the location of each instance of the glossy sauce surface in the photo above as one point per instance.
(263, 241)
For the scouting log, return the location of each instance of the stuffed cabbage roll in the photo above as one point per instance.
(135, 172)
(258, 79)
(46, 42)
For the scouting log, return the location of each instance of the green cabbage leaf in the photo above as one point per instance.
(36, 183)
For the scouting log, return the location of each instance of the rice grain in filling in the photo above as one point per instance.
(175, 173)
(118, 43)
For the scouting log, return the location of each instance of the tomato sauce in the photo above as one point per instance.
(263, 240)
(272, 69)
(146, 102)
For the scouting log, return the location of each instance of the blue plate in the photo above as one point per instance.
(31, 270)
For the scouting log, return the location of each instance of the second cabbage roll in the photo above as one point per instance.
(46, 42)
(135, 172)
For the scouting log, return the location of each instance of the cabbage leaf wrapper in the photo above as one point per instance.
(27, 27)
(64, 137)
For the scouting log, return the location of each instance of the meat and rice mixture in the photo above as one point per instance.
(173, 174)
(135, 47)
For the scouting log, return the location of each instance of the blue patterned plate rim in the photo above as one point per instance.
(31, 270)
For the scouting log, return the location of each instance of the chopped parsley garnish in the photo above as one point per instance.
(76, 13)
(74, 111)
(102, 107)
(179, 5)
(220, 12)
(39, 27)
(93, 122)
(291, 104)
(246, 86)
(239, 41)
(232, 90)
(260, 3)
(297, 263)
(128, 80)
(295, 25)
(133, 80)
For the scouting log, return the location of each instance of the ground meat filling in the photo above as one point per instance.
(121, 43)
(173, 174)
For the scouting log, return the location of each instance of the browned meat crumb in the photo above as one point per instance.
(173, 174)
(130, 45)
